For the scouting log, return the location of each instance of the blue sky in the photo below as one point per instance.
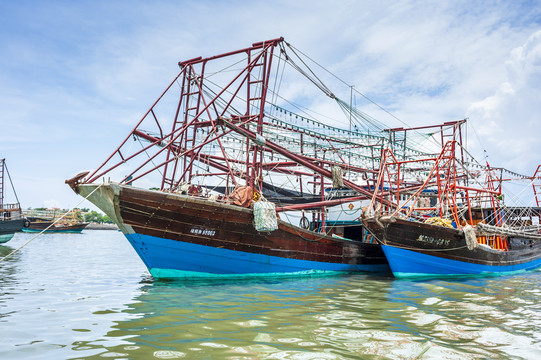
(76, 75)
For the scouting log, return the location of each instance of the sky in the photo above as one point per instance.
(75, 76)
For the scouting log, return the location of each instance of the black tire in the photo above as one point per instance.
(304, 223)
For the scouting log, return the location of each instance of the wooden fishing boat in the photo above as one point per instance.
(182, 236)
(242, 185)
(229, 190)
(453, 237)
(10, 222)
(416, 249)
(11, 219)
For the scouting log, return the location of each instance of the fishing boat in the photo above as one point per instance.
(218, 180)
(11, 219)
(50, 227)
(182, 236)
(224, 177)
(456, 223)
(53, 221)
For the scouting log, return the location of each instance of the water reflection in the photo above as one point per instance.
(89, 296)
(8, 270)
(328, 318)
(477, 318)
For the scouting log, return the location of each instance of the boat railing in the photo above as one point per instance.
(52, 215)
(10, 207)
(10, 212)
(495, 242)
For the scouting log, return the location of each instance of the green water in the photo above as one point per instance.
(88, 296)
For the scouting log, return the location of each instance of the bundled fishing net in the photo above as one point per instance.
(265, 215)
(337, 177)
(439, 222)
(471, 238)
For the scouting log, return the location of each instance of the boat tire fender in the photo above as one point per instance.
(304, 223)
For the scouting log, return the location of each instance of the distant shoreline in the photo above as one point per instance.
(96, 226)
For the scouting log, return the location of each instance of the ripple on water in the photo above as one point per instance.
(90, 297)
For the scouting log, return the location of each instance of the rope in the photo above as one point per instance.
(314, 79)
(48, 227)
(342, 81)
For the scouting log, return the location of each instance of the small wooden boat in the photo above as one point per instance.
(53, 221)
(10, 223)
(11, 219)
(39, 226)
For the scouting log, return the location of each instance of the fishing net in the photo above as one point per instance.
(439, 222)
(471, 238)
(337, 179)
(265, 216)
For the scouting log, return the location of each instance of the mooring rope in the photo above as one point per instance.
(48, 227)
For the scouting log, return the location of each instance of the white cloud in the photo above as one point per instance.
(75, 77)
(508, 122)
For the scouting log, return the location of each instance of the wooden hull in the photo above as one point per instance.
(180, 236)
(416, 249)
(34, 227)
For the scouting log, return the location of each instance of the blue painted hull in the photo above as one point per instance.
(406, 263)
(176, 259)
(414, 249)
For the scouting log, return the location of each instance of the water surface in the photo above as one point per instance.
(88, 296)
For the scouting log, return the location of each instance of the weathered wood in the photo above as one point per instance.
(449, 243)
(199, 221)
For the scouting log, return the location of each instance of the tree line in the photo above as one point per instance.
(84, 214)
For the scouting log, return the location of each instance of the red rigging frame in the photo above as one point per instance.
(204, 118)
(216, 123)
(536, 183)
(196, 110)
(446, 179)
